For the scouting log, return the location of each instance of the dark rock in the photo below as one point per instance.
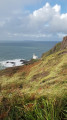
(25, 62)
(12, 62)
(64, 43)
(7, 62)
(22, 60)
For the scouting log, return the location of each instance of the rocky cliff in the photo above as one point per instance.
(58, 47)
(64, 43)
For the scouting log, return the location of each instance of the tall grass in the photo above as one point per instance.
(41, 109)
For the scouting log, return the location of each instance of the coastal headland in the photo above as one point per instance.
(38, 89)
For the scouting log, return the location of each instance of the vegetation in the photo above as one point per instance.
(36, 91)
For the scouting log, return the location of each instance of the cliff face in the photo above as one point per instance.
(64, 43)
(58, 47)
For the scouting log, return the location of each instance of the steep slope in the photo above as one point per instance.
(59, 46)
(40, 86)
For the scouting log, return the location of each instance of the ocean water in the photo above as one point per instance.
(14, 52)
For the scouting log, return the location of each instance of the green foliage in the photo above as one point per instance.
(42, 109)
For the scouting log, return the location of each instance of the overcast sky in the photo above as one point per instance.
(33, 20)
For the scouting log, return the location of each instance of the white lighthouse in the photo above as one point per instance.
(34, 56)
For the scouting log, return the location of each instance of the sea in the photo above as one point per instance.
(13, 52)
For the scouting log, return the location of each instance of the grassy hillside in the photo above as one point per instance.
(37, 91)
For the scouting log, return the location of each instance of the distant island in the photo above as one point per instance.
(38, 89)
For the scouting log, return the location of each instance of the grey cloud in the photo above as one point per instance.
(46, 22)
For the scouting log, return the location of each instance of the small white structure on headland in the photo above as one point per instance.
(34, 56)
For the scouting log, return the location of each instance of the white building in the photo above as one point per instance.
(34, 56)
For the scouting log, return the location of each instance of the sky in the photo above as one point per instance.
(39, 20)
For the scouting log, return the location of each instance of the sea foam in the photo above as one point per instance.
(11, 63)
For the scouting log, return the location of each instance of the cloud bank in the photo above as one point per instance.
(46, 23)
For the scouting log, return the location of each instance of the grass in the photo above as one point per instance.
(40, 109)
(37, 91)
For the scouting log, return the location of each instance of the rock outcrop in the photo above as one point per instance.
(58, 47)
(64, 43)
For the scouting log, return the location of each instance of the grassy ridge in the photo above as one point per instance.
(37, 91)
